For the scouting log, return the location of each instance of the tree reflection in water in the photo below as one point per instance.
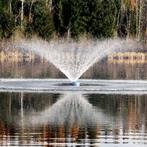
(72, 119)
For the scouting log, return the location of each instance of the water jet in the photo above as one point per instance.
(73, 58)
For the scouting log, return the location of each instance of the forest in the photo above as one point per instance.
(73, 18)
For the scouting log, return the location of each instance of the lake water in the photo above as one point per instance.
(73, 118)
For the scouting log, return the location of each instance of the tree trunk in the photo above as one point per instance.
(128, 25)
(136, 18)
(50, 5)
(46, 1)
(30, 11)
(68, 33)
(22, 13)
(145, 23)
(10, 8)
(139, 20)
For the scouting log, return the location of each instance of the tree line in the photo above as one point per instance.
(73, 18)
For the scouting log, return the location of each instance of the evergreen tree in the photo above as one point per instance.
(101, 22)
(42, 23)
(99, 18)
(58, 16)
(78, 18)
(7, 25)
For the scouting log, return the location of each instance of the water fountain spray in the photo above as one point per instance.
(73, 58)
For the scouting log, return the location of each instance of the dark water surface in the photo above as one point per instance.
(72, 119)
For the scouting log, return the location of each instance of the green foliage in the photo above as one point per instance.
(79, 16)
(132, 23)
(7, 26)
(42, 23)
(4, 4)
(97, 18)
(58, 17)
(78, 19)
(101, 22)
(62, 14)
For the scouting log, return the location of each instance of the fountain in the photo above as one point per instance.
(73, 58)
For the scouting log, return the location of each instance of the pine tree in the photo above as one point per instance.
(7, 26)
(78, 19)
(101, 22)
(58, 16)
(42, 23)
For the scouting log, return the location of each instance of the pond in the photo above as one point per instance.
(73, 118)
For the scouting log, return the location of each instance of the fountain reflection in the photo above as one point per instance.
(72, 119)
(68, 120)
(71, 109)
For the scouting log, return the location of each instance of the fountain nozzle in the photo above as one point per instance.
(75, 83)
